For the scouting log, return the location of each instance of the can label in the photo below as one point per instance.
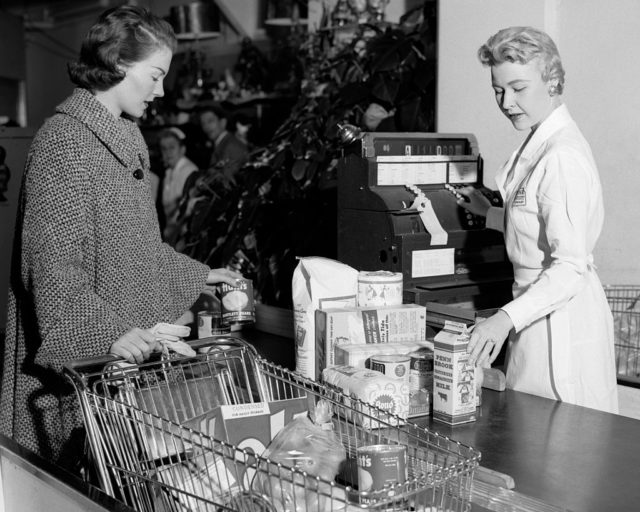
(421, 370)
(380, 288)
(395, 366)
(380, 467)
(237, 302)
(210, 324)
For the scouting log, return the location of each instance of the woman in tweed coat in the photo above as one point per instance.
(90, 274)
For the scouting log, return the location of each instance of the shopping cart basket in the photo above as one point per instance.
(144, 455)
(624, 301)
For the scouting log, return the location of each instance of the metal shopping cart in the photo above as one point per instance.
(148, 454)
(624, 301)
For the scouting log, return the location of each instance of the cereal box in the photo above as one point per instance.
(386, 324)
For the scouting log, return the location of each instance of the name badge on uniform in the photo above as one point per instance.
(521, 198)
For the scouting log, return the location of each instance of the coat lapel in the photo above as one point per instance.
(112, 132)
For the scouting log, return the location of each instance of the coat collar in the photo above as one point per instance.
(557, 120)
(112, 131)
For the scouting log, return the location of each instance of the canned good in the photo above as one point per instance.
(421, 370)
(381, 466)
(379, 288)
(210, 323)
(237, 302)
(395, 366)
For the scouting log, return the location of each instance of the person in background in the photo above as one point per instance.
(90, 274)
(229, 154)
(561, 345)
(172, 186)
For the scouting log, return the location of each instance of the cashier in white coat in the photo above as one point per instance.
(558, 326)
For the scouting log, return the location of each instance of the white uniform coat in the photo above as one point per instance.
(552, 217)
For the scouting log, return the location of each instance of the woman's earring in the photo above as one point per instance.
(553, 90)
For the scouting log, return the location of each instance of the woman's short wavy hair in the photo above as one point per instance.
(521, 45)
(121, 36)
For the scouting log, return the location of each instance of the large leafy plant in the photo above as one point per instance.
(381, 77)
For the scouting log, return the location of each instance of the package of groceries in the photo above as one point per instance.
(318, 283)
(310, 445)
(388, 396)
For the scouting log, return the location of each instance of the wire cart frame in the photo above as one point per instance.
(624, 301)
(146, 456)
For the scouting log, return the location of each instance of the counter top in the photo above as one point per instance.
(572, 457)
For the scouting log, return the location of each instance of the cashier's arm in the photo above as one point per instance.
(476, 202)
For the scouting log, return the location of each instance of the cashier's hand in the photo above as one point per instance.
(136, 345)
(477, 203)
(223, 275)
(487, 338)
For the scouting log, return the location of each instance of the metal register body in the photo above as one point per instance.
(380, 229)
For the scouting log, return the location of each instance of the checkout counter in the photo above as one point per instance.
(560, 456)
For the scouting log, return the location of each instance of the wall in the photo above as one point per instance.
(601, 92)
(49, 49)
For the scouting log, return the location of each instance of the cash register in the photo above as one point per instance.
(397, 212)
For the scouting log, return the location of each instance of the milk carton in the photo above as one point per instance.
(454, 389)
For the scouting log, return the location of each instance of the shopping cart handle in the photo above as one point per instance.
(80, 367)
(223, 341)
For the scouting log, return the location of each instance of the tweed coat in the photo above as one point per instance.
(88, 265)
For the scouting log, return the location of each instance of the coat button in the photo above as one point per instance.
(138, 174)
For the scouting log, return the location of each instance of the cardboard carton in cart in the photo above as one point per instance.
(454, 387)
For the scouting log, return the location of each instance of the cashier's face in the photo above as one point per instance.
(522, 95)
(142, 83)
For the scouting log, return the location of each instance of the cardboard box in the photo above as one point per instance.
(358, 355)
(387, 324)
(454, 388)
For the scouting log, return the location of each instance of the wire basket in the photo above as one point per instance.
(624, 301)
(145, 454)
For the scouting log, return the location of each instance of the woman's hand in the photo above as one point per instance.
(487, 338)
(136, 345)
(223, 275)
(477, 203)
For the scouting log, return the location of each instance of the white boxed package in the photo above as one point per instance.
(374, 388)
(318, 283)
(387, 324)
(356, 354)
(454, 388)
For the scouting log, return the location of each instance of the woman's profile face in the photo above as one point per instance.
(142, 83)
(522, 95)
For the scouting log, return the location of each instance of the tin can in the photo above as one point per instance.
(395, 366)
(237, 302)
(379, 288)
(210, 324)
(421, 370)
(380, 467)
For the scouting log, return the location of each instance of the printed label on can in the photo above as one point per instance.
(380, 467)
(395, 366)
(380, 288)
(421, 370)
(237, 302)
(210, 323)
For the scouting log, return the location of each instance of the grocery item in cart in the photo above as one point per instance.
(380, 467)
(374, 388)
(310, 445)
(318, 283)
